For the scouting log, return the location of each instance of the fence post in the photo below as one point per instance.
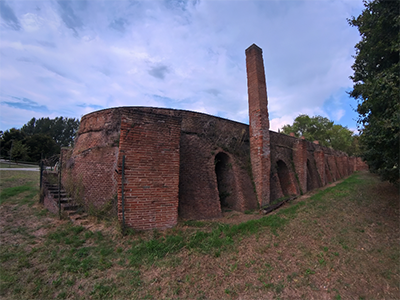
(59, 185)
(41, 198)
(9, 162)
(122, 194)
(41, 174)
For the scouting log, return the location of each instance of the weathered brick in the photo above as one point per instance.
(259, 123)
(193, 164)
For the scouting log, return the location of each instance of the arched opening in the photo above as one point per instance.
(225, 180)
(284, 178)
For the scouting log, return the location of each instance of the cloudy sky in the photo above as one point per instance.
(69, 58)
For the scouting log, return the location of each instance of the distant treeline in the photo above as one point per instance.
(326, 132)
(39, 138)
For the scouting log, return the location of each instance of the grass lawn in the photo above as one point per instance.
(341, 242)
(13, 165)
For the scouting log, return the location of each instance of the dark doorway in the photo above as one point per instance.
(284, 178)
(225, 180)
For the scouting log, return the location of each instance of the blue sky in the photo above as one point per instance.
(69, 58)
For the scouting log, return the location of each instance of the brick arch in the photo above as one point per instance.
(285, 180)
(232, 183)
(225, 177)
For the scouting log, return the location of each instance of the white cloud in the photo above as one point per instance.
(339, 114)
(278, 123)
(121, 53)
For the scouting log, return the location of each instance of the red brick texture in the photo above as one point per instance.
(93, 161)
(179, 163)
(259, 123)
(300, 162)
(319, 157)
(203, 138)
(150, 144)
(198, 189)
(360, 165)
(305, 165)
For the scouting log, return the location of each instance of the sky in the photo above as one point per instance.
(69, 58)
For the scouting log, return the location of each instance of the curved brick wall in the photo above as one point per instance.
(93, 161)
(170, 164)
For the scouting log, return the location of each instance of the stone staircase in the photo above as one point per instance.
(68, 206)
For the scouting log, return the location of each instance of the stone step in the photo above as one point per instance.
(72, 210)
(55, 189)
(65, 200)
(62, 195)
(69, 206)
(51, 186)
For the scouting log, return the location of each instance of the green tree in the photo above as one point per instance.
(41, 146)
(61, 130)
(376, 85)
(341, 138)
(42, 136)
(312, 129)
(324, 131)
(19, 151)
(7, 139)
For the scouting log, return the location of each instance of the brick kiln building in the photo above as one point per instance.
(192, 165)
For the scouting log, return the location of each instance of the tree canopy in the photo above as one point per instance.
(61, 130)
(37, 138)
(324, 131)
(376, 85)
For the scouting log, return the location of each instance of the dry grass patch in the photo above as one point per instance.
(340, 243)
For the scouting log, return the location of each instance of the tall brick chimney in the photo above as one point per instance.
(259, 123)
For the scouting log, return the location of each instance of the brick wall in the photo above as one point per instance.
(300, 162)
(283, 181)
(309, 165)
(91, 165)
(313, 178)
(259, 123)
(198, 190)
(319, 157)
(150, 144)
(172, 160)
(360, 164)
(203, 138)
